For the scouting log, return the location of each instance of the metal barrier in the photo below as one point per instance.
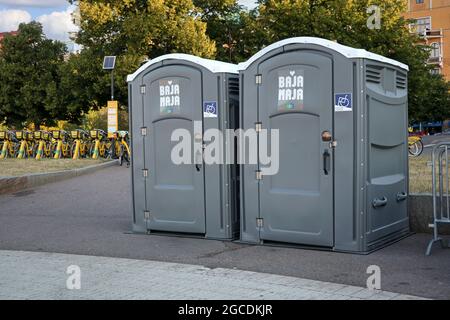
(441, 193)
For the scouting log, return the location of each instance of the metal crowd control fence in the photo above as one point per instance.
(441, 192)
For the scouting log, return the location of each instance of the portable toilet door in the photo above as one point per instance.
(169, 96)
(312, 91)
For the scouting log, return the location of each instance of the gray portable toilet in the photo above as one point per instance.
(179, 91)
(342, 118)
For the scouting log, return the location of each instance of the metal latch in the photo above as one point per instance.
(144, 131)
(258, 127)
(258, 79)
(143, 89)
(259, 175)
(145, 173)
(259, 222)
(147, 215)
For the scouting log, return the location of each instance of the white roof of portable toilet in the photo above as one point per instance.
(211, 65)
(344, 50)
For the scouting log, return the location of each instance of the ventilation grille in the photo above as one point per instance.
(373, 74)
(233, 86)
(401, 81)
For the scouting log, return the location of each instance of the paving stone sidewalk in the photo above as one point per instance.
(32, 275)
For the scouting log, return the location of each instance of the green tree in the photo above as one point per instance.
(30, 78)
(345, 21)
(132, 30)
(226, 24)
(434, 102)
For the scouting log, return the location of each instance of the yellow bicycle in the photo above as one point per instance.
(415, 144)
(80, 147)
(121, 148)
(26, 144)
(43, 145)
(99, 146)
(8, 144)
(61, 146)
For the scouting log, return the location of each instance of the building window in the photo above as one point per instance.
(419, 1)
(435, 50)
(435, 71)
(421, 25)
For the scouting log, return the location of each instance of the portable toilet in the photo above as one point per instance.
(182, 92)
(342, 118)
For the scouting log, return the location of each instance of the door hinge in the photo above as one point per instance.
(147, 215)
(145, 173)
(259, 175)
(258, 79)
(143, 89)
(258, 127)
(259, 222)
(144, 131)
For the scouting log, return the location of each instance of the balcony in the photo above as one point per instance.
(431, 34)
(425, 32)
(435, 60)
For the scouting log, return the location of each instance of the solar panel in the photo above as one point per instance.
(109, 62)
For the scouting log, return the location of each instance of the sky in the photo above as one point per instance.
(53, 14)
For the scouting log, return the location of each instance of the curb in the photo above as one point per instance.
(14, 184)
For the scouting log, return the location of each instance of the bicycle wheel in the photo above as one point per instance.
(91, 150)
(126, 157)
(121, 154)
(65, 150)
(31, 147)
(84, 149)
(13, 148)
(49, 150)
(72, 149)
(16, 150)
(53, 148)
(34, 150)
(416, 148)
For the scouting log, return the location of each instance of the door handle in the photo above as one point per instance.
(402, 196)
(377, 203)
(198, 167)
(326, 162)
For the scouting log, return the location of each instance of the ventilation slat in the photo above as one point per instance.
(401, 81)
(233, 86)
(373, 74)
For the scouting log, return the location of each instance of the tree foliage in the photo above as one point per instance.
(227, 25)
(30, 78)
(132, 30)
(36, 86)
(345, 21)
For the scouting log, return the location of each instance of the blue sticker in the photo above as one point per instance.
(343, 102)
(210, 109)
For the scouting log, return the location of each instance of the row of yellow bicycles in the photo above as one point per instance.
(58, 144)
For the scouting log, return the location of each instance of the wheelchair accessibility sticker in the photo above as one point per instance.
(210, 109)
(343, 102)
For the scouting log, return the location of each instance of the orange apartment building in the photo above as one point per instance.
(432, 22)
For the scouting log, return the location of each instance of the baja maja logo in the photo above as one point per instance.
(169, 93)
(290, 89)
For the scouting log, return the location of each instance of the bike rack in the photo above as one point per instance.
(441, 193)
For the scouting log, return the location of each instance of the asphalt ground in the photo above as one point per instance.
(90, 215)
